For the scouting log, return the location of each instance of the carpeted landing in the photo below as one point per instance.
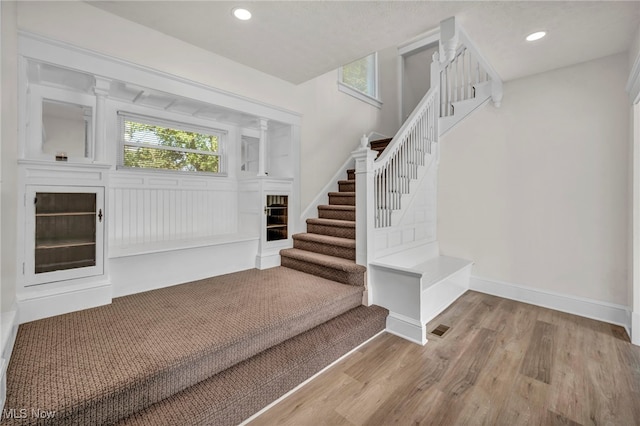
(209, 352)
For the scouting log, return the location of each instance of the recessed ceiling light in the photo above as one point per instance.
(241, 14)
(536, 36)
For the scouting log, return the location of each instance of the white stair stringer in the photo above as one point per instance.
(461, 109)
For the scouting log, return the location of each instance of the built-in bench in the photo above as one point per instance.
(415, 286)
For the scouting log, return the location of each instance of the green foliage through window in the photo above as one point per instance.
(361, 75)
(157, 147)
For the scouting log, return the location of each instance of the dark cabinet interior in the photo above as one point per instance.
(65, 234)
(277, 217)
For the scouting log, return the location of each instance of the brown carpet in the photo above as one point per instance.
(100, 365)
(237, 393)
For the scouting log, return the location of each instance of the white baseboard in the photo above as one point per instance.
(267, 261)
(35, 304)
(406, 328)
(8, 332)
(589, 308)
(635, 328)
(151, 271)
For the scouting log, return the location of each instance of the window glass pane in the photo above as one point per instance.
(164, 136)
(361, 75)
(157, 158)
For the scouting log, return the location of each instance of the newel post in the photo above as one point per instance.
(365, 209)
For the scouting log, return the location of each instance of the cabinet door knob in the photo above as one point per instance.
(100, 215)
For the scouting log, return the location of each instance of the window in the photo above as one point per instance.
(149, 143)
(360, 79)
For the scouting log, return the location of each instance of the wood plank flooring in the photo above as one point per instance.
(500, 363)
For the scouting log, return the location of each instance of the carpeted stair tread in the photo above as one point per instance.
(99, 365)
(326, 239)
(336, 211)
(326, 244)
(343, 194)
(324, 260)
(237, 393)
(332, 222)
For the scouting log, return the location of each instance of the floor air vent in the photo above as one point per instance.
(440, 330)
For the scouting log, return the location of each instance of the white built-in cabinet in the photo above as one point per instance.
(89, 229)
(64, 233)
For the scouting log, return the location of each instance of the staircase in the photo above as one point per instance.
(396, 193)
(328, 248)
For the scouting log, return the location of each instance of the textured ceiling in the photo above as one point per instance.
(299, 40)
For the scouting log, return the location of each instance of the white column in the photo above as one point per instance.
(365, 214)
(262, 147)
(101, 91)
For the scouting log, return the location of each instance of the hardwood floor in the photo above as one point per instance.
(501, 363)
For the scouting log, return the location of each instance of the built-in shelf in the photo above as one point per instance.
(276, 210)
(58, 243)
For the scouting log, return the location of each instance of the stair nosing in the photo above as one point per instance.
(335, 241)
(328, 261)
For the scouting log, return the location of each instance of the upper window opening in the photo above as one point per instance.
(360, 79)
(156, 144)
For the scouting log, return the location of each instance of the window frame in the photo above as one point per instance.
(186, 126)
(357, 93)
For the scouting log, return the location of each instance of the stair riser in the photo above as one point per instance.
(347, 187)
(337, 214)
(333, 231)
(329, 250)
(351, 175)
(350, 278)
(341, 200)
(264, 385)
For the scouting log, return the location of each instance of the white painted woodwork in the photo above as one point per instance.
(176, 265)
(160, 228)
(415, 293)
(59, 292)
(31, 278)
(268, 255)
(8, 331)
(398, 165)
(148, 208)
(415, 224)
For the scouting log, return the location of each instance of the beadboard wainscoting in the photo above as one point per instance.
(146, 209)
(167, 230)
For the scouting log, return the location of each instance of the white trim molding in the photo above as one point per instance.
(8, 332)
(581, 306)
(635, 325)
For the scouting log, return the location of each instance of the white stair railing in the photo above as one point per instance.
(458, 80)
(461, 68)
(398, 164)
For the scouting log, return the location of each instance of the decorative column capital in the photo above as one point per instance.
(102, 87)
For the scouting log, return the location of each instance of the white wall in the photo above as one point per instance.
(333, 122)
(634, 48)
(9, 153)
(536, 192)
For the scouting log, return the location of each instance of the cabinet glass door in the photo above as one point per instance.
(277, 217)
(65, 231)
(65, 227)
